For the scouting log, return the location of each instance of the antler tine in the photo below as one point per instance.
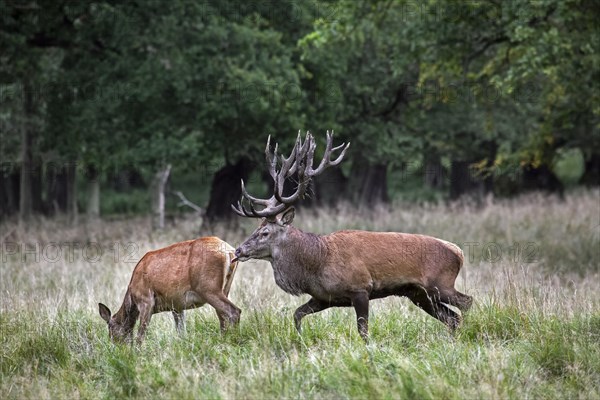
(310, 155)
(252, 199)
(300, 155)
(269, 211)
(339, 159)
(271, 158)
(237, 211)
(326, 161)
(289, 166)
(303, 162)
(240, 210)
(253, 211)
(303, 149)
(300, 160)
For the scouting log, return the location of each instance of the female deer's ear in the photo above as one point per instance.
(287, 217)
(104, 312)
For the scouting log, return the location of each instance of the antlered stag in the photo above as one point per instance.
(179, 277)
(349, 267)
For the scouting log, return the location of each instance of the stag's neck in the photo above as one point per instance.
(297, 261)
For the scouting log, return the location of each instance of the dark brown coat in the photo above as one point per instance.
(350, 267)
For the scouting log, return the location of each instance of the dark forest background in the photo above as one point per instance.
(111, 108)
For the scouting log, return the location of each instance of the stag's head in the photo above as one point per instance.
(265, 240)
(277, 212)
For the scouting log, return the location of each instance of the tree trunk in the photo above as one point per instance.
(541, 178)
(329, 187)
(368, 183)
(591, 174)
(9, 191)
(125, 179)
(56, 189)
(72, 210)
(93, 204)
(25, 202)
(36, 186)
(463, 181)
(433, 170)
(159, 182)
(225, 190)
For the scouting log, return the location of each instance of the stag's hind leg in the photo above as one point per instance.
(455, 298)
(430, 302)
(360, 301)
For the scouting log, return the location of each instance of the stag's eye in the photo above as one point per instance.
(264, 234)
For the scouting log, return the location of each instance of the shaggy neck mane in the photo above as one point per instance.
(298, 260)
(305, 249)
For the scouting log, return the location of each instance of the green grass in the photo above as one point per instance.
(532, 333)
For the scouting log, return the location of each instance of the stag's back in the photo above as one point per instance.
(392, 258)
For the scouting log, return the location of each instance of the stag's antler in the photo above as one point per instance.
(299, 161)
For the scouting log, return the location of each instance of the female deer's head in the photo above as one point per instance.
(120, 325)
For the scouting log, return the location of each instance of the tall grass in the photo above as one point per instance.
(532, 333)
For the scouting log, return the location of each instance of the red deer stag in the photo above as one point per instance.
(349, 267)
(176, 278)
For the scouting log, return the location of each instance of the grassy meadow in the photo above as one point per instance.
(533, 332)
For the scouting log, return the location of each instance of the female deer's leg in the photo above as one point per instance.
(145, 308)
(228, 313)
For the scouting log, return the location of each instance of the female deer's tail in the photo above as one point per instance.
(232, 264)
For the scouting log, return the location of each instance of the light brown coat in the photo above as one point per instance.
(182, 276)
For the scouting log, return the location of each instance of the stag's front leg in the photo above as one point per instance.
(360, 301)
(310, 307)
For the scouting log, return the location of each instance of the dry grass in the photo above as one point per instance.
(533, 331)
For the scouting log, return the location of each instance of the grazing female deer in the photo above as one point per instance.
(178, 277)
(350, 267)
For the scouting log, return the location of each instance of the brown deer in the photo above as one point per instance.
(179, 277)
(350, 267)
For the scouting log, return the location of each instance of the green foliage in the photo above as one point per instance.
(569, 166)
(128, 203)
(501, 85)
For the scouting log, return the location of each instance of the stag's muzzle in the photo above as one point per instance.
(239, 255)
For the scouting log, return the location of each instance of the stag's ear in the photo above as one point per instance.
(287, 217)
(104, 312)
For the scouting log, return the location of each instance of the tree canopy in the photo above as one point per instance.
(484, 85)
